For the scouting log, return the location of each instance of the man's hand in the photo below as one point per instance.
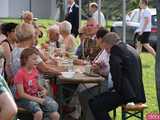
(140, 33)
(95, 67)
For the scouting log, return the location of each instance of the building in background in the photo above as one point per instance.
(40, 8)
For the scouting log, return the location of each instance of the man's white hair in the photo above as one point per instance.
(66, 27)
(54, 28)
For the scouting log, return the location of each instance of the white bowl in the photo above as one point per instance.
(68, 74)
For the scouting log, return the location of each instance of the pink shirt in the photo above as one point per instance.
(103, 58)
(28, 80)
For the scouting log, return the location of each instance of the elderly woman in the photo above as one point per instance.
(54, 35)
(27, 17)
(65, 30)
(55, 40)
(8, 29)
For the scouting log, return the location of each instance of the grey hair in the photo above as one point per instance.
(54, 28)
(111, 38)
(24, 31)
(25, 14)
(66, 27)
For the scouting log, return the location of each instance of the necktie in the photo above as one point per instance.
(68, 10)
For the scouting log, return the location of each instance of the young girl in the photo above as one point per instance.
(30, 95)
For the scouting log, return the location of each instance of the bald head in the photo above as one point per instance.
(91, 26)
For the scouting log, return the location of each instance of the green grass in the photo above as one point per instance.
(148, 63)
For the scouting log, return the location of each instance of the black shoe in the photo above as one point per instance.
(68, 117)
(67, 109)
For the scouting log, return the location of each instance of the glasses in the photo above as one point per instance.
(80, 34)
(91, 26)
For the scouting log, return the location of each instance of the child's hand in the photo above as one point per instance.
(40, 100)
(44, 92)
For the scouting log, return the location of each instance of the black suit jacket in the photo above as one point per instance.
(73, 18)
(126, 71)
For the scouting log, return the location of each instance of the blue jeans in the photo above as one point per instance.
(49, 105)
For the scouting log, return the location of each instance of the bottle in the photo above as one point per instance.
(70, 66)
(88, 66)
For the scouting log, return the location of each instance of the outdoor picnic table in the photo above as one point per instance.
(79, 78)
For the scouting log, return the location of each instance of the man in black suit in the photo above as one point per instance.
(73, 16)
(126, 72)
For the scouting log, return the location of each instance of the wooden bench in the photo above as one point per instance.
(133, 111)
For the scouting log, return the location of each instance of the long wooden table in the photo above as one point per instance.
(79, 78)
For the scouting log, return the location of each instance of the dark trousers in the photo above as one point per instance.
(68, 91)
(100, 105)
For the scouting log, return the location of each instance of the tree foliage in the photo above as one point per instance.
(112, 9)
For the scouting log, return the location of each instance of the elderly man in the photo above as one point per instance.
(91, 49)
(93, 9)
(54, 35)
(55, 40)
(126, 71)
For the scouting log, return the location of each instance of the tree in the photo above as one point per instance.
(158, 55)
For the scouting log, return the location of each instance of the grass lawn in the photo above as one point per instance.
(148, 63)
